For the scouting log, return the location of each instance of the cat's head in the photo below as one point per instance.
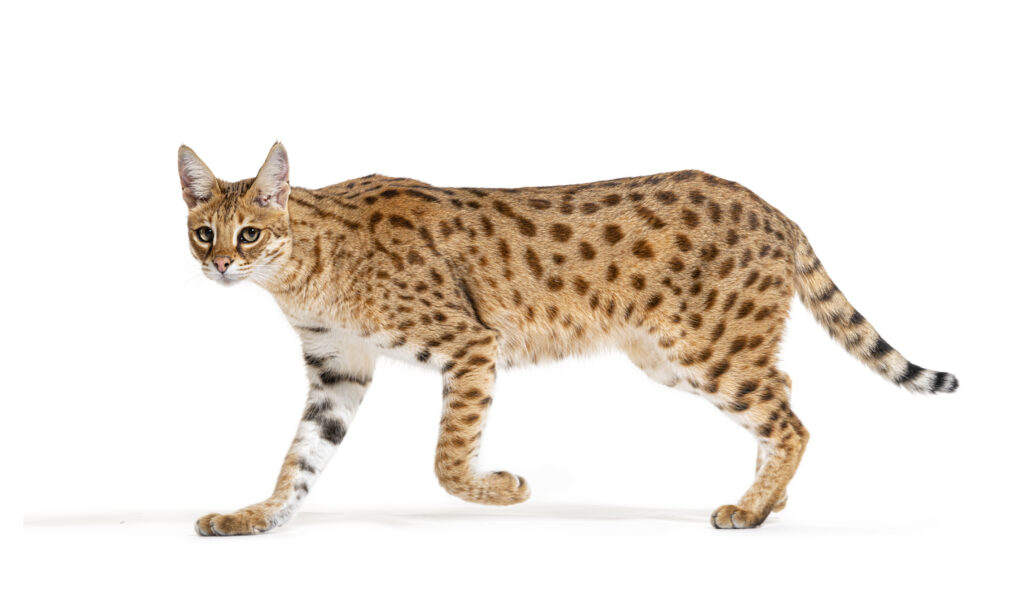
(237, 230)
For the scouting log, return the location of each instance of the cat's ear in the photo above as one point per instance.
(197, 181)
(271, 183)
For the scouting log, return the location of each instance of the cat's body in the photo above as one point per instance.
(690, 275)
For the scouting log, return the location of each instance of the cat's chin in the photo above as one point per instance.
(223, 279)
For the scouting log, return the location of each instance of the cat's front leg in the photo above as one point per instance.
(468, 367)
(339, 368)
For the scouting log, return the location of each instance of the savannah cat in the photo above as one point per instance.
(689, 274)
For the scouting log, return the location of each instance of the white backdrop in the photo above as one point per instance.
(145, 396)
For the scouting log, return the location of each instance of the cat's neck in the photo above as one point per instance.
(316, 248)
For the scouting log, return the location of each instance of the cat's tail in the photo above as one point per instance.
(845, 324)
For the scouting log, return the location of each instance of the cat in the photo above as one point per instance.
(689, 274)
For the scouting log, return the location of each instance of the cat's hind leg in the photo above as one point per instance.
(759, 401)
(749, 389)
(339, 368)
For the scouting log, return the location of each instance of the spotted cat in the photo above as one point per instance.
(689, 274)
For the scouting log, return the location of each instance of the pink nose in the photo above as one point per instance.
(222, 263)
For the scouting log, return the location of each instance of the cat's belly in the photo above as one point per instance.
(527, 345)
(520, 341)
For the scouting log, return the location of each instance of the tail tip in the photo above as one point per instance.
(945, 382)
(918, 379)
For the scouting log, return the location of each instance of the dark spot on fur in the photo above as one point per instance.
(708, 252)
(746, 387)
(398, 221)
(526, 227)
(716, 212)
(911, 372)
(587, 251)
(735, 211)
(726, 267)
(690, 218)
(643, 249)
(332, 430)
(880, 349)
(533, 262)
(486, 225)
(612, 234)
(561, 232)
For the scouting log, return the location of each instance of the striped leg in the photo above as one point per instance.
(468, 380)
(339, 371)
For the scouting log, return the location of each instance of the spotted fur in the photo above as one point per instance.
(689, 274)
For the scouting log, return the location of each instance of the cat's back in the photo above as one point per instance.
(656, 222)
(691, 199)
(629, 212)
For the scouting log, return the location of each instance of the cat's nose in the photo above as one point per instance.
(222, 263)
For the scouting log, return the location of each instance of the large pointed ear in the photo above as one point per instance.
(197, 181)
(271, 183)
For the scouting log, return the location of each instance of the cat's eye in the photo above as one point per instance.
(204, 234)
(249, 235)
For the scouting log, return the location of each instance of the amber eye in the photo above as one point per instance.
(249, 235)
(204, 234)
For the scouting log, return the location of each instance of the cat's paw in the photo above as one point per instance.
(494, 488)
(251, 520)
(732, 517)
(504, 488)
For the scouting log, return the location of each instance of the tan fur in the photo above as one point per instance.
(689, 274)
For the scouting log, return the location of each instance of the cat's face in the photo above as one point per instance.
(237, 230)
